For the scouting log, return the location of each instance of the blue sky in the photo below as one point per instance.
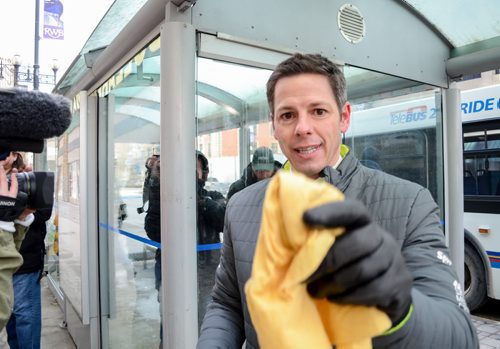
(17, 31)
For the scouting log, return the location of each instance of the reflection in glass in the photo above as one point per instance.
(131, 224)
(232, 122)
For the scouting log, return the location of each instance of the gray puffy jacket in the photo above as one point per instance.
(406, 210)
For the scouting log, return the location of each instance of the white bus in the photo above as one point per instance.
(400, 139)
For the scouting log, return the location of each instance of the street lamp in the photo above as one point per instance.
(16, 62)
(55, 68)
(24, 73)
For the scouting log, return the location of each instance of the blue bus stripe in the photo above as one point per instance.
(492, 253)
(199, 248)
(495, 265)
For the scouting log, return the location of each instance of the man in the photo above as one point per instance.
(15, 219)
(152, 224)
(262, 166)
(24, 328)
(27, 119)
(392, 254)
(211, 207)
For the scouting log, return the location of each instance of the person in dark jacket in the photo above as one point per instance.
(262, 166)
(25, 324)
(393, 253)
(211, 207)
(15, 220)
(151, 197)
(152, 220)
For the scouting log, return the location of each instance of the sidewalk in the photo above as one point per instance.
(56, 337)
(53, 335)
(488, 332)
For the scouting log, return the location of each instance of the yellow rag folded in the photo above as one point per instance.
(287, 253)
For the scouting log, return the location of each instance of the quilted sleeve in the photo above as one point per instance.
(440, 318)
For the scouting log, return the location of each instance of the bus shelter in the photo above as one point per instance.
(168, 78)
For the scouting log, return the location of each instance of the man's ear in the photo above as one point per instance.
(345, 115)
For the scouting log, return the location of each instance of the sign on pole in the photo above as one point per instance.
(53, 26)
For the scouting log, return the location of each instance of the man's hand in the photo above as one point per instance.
(4, 185)
(364, 266)
(12, 203)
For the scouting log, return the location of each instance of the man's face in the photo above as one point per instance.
(202, 175)
(199, 170)
(263, 174)
(308, 123)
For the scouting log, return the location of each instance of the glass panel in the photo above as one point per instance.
(396, 132)
(232, 121)
(393, 129)
(446, 14)
(118, 15)
(67, 239)
(131, 223)
(52, 237)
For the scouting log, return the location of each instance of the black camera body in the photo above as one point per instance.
(38, 186)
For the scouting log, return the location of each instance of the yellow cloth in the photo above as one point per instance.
(287, 253)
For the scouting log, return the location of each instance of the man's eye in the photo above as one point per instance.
(319, 112)
(286, 116)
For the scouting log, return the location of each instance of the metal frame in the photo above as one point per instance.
(179, 282)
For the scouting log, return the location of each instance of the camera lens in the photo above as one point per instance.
(39, 186)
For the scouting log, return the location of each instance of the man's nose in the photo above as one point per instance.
(303, 125)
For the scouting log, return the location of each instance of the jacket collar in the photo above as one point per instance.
(339, 177)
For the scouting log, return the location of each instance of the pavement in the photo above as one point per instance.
(488, 332)
(56, 336)
(54, 333)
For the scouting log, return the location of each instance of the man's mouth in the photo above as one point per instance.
(307, 150)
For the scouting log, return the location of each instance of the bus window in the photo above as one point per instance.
(482, 162)
(402, 154)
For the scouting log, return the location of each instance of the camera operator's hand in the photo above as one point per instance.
(5, 190)
(12, 202)
(364, 266)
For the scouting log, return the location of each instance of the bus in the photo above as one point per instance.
(400, 139)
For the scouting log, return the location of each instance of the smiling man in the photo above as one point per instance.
(390, 255)
(307, 122)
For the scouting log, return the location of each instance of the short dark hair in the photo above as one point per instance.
(309, 64)
(19, 163)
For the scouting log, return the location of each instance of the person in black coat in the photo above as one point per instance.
(211, 208)
(262, 166)
(25, 324)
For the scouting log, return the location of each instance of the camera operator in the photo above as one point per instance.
(15, 218)
(211, 207)
(27, 119)
(24, 328)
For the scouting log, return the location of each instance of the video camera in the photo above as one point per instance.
(26, 119)
(38, 186)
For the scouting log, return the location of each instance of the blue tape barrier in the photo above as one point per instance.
(199, 248)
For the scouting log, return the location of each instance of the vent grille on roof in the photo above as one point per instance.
(351, 23)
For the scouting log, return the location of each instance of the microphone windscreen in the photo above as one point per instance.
(29, 117)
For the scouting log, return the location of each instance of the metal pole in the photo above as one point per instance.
(16, 74)
(454, 185)
(36, 66)
(178, 204)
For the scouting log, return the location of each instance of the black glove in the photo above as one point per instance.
(11, 208)
(364, 266)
